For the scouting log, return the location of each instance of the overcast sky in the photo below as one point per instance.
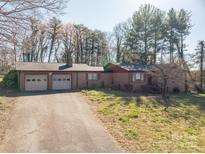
(104, 14)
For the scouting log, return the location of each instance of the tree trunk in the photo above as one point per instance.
(182, 47)
(171, 47)
(155, 47)
(86, 51)
(188, 72)
(51, 48)
(81, 51)
(98, 56)
(201, 65)
(92, 53)
(145, 48)
(78, 50)
(118, 51)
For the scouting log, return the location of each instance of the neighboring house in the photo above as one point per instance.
(55, 76)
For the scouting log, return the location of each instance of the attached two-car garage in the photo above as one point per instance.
(36, 76)
(40, 82)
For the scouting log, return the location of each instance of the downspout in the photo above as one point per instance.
(77, 81)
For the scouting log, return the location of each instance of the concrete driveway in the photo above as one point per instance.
(61, 122)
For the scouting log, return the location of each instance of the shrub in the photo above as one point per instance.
(176, 90)
(10, 80)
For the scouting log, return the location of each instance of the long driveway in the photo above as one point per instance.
(61, 122)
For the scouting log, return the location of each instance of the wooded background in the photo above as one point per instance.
(150, 36)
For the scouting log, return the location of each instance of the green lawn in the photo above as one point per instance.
(140, 124)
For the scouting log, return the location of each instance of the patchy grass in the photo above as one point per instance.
(140, 124)
(6, 104)
(4, 115)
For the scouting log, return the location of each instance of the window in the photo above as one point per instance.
(33, 80)
(28, 80)
(39, 80)
(137, 77)
(92, 76)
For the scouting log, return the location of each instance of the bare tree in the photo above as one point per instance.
(54, 31)
(199, 56)
(202, 44)
(119, 36)
(43, 43)
(68, 43)
(17, 35)
(15, 14)
(168, 77)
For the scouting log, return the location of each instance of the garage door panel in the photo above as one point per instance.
(36, 82)
(61, 82)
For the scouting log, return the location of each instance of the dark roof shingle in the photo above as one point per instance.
(135, 67)
(31, 66)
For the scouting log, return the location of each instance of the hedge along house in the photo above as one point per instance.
(56, 76)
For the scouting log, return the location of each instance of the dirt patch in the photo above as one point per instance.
(6, 106)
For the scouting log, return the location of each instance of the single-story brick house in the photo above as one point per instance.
(58, 76)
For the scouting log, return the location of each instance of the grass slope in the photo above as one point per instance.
(140, 124)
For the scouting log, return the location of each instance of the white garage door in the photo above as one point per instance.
(36, 82)
(61, 82)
